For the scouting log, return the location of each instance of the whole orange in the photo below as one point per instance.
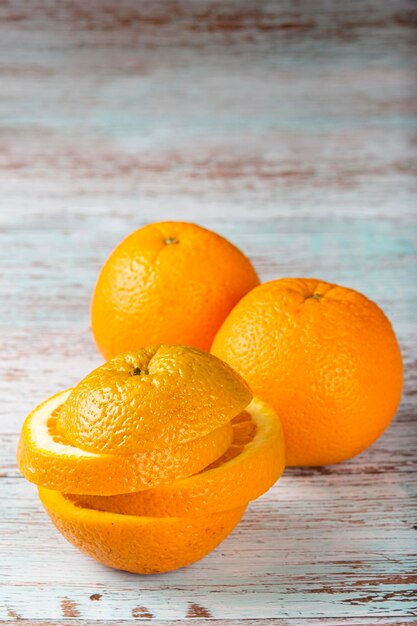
(168, 282)
(324, 356)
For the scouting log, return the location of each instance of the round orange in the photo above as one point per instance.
(324, 356)
(168, 282)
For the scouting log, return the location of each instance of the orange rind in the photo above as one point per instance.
(168, 282)
(152, 398)
(150, 461)
(47, 459)
(142, 545)
(250, 466)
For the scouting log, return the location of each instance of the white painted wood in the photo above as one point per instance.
(288, 127)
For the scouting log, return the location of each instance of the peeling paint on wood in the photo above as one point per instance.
(197, 611)
(69, 608)
(141, 612)
(290, 128)
(95, 596)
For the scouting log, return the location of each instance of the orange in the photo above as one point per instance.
(250, 467)
(138, 421)
(324, 356)
(164, 415)
(48, 459)
(143, 545)
(169, 282)
(152, 398)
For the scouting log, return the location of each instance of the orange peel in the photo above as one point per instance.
(149, 463)
(152, 398)
(142, 545)
(250, 466)
(47, 459)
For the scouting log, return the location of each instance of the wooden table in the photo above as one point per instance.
(290, 128)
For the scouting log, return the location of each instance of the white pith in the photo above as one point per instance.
(39, 433)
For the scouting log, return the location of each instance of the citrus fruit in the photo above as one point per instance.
(139, 544)
(249, 467)
(152, 398)
(324, 356)
(158, 416)
(168, 282)
(48, 459)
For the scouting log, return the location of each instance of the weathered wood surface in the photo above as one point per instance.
(290, 127)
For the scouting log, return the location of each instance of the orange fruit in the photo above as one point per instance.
(143, 545)
(169, 282)
(48, 459)
(144, 419)
(324, 356)
(165, 409)
(250, 466)
(152, 398)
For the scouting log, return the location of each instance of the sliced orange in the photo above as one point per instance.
(250, 466)
(47, 459)
(143, 545)
(152, 398)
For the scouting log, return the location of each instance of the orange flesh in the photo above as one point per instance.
(244, 430)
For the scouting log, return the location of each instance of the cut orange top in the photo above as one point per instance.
(150, 399)
(47, 459)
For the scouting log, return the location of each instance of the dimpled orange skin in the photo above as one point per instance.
(168, 282)
(252, 464)
(324, 356)
(45, 458)
(153, 398)
(142, 545)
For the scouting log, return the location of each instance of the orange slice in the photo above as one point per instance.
(250, 466)
(143, 545)
(153, 398)
(47, 459)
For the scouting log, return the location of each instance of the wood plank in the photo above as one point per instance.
(164, 118)
(288, 541)
(250, 622)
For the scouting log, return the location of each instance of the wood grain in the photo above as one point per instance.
(290, 128)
